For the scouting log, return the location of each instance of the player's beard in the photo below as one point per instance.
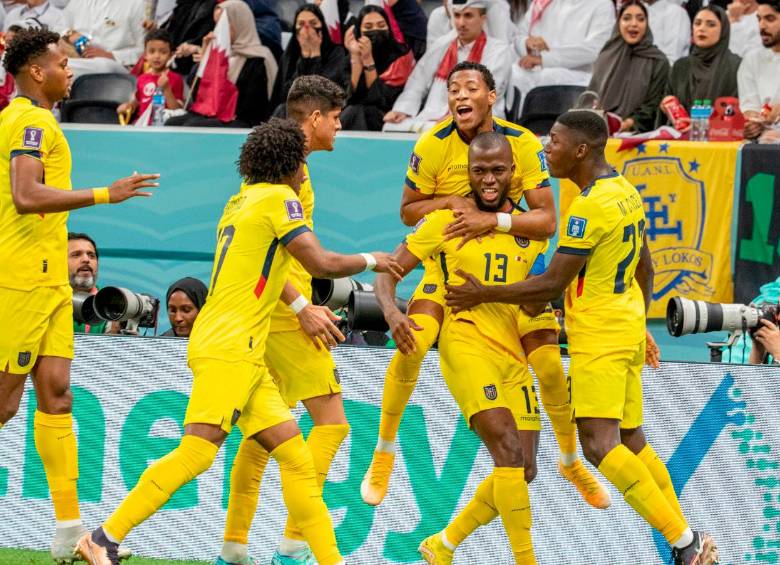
(83, 283)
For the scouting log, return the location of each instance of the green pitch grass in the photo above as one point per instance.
(27, 557)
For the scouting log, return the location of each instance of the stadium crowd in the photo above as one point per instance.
(392, 57)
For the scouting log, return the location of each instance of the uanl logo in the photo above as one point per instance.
(675, 204)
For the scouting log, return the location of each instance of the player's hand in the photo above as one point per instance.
(470, 224)
(317, 323)
(402, 328)
(395, 117)
(129, 187)
(652, 352)
(469, 294)
(386, 263)
(768, 335)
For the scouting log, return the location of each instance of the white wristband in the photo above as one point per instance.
(370, 261)
(504, 221)
(299, 304)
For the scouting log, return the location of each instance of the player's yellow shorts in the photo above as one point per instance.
(35, 323)
(481, 375)
(226, 393)
(607, 383)
(299, 369)
(544, 321)
(431, 286)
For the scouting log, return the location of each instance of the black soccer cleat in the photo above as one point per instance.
(702, 551)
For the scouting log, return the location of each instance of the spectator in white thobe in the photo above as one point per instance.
(558, 43)
(35, 13)
(744, 27)
(671, 27)
(499, 22)
(468, 42)
(759, 74)
(117, 32)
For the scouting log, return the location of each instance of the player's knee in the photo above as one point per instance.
(61, 402)
(507, 452)
(594, 449)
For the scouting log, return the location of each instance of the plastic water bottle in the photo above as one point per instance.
(158, 106)
(696, 121)
(705, 120)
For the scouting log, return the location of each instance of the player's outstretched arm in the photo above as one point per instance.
(401, 326)
(316, 321)
(31, 195)
(544, 288)
(325, 264)
(415, 205)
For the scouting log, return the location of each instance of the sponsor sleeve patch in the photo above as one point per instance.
(33, 138)
(414, 163)
(576, 227)
(542, 160)
(294, 209)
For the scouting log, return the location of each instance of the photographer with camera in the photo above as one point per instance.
(766, 342)
(83, 256)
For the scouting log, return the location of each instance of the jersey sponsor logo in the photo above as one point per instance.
(429, 288)
(542, 160)
(576, 227)
(414, 163)
(522, 241)
(24, 358)
(33, 137)
(294, 209)
(491, 392)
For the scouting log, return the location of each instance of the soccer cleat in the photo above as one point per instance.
(243, 561)
(302, 557)
(377, 479)
(434, 551)
(589, 486)
(63, 546)
(95, 549)
(702, 551)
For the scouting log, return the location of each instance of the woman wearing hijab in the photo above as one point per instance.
(710, 71)
(251, 67)
(380, 67)
(184, 300)
(311, 52)
(630, 73)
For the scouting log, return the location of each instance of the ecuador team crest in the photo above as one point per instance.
(687, 191)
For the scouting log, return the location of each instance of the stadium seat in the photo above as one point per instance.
(90, 112)
(544, 104)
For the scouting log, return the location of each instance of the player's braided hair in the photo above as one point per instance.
(272, 150)
(487, 76)
(25, 46)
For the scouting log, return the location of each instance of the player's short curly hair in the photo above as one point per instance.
(589, 126)
(487, 76)
(272, 150)
(25, 46)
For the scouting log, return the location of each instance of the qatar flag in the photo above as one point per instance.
(217, 96)
(330, 9)
(396, 29)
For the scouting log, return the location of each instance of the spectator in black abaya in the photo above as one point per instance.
(190, 22)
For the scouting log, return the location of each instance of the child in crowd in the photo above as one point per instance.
(158, 50)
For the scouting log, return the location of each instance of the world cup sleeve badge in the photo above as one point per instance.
(294, 209)
(33, 138)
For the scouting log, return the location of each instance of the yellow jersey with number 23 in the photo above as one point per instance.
(604, 304)
(251, 266)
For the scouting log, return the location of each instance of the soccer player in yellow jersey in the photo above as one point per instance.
(437, 178)
(297, 352)
(35, 297)
(481, 361)
(262, 228)
(604, 266)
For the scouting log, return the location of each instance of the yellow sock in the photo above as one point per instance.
(630, 476)
(510, 492)
(546, 363)
(245, 477)
(660, 475)
(480, 511)
(323, 442)
(157, 484)
(401, 377)
(56, 445)
(303, 499)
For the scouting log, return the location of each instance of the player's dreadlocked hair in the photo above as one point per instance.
(273, 150)
(25, 46)
(487, 76)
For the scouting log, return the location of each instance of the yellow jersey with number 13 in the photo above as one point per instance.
(251, 266)
(33, 247)
(604, 304)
